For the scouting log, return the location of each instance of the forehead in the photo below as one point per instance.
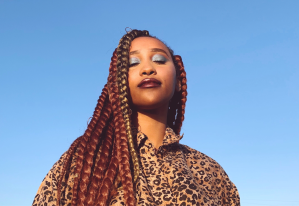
(141, 43)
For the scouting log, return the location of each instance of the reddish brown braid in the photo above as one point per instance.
(101, 165)
(89, 154)
(85, 147)
(78, 141)
(119, 152)
(122, 143)
(176, 110)
(103, 151)
(182, 97)
(105, 158)
(103, 192)
(85, 157)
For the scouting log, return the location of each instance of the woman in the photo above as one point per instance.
(130, 153)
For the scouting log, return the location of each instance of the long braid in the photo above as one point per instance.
(183, 95)
(103, 193)
(176, 110)
(122, 80)
(77, 143)
(89, 149)
(102, 165)
(82, 149)
(83, 152)
(122, 144)
(89, 154)
(121, 152)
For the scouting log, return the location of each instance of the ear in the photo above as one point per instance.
(178, 85)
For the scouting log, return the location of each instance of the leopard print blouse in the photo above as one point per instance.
(173, 175)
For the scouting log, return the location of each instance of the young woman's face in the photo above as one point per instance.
(152, 74)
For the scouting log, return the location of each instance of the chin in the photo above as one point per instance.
(151, 105)
(151, 101)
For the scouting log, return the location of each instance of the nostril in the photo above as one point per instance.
(148, 72)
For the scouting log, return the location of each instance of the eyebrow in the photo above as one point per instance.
(152, 50)
(158, 50)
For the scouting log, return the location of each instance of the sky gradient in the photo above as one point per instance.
(242, 66)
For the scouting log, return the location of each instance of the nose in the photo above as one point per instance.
(148, 69)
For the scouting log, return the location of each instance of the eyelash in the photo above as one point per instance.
(160, 59)
(163, 61)
(160, 62)
(134, 64)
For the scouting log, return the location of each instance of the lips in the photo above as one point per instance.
(149, 83)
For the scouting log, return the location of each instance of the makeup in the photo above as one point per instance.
(159, 58)
(149, 83)
(134, 60)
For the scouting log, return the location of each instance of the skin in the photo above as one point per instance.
(150, 104)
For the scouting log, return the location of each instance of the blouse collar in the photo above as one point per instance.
(169, 138)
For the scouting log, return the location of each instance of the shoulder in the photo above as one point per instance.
(201, 162)
(57, 165)
(209, 173)
(197, 157)
(47, 191)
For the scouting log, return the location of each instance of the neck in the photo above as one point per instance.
(152, 123)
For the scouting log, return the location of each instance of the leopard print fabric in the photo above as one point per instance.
(173, 175)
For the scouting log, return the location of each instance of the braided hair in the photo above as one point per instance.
(105, 155)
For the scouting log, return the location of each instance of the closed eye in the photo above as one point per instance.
(159, 59)
(134, 61)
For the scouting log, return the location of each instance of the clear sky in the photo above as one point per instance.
(242, 64)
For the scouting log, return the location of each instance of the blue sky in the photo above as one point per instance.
(241, 59)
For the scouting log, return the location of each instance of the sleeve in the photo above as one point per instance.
(228, 193)
(212, 178)
(47, 191)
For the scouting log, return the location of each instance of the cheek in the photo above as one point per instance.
(170, 78)
(131, 75)
(133, 81)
